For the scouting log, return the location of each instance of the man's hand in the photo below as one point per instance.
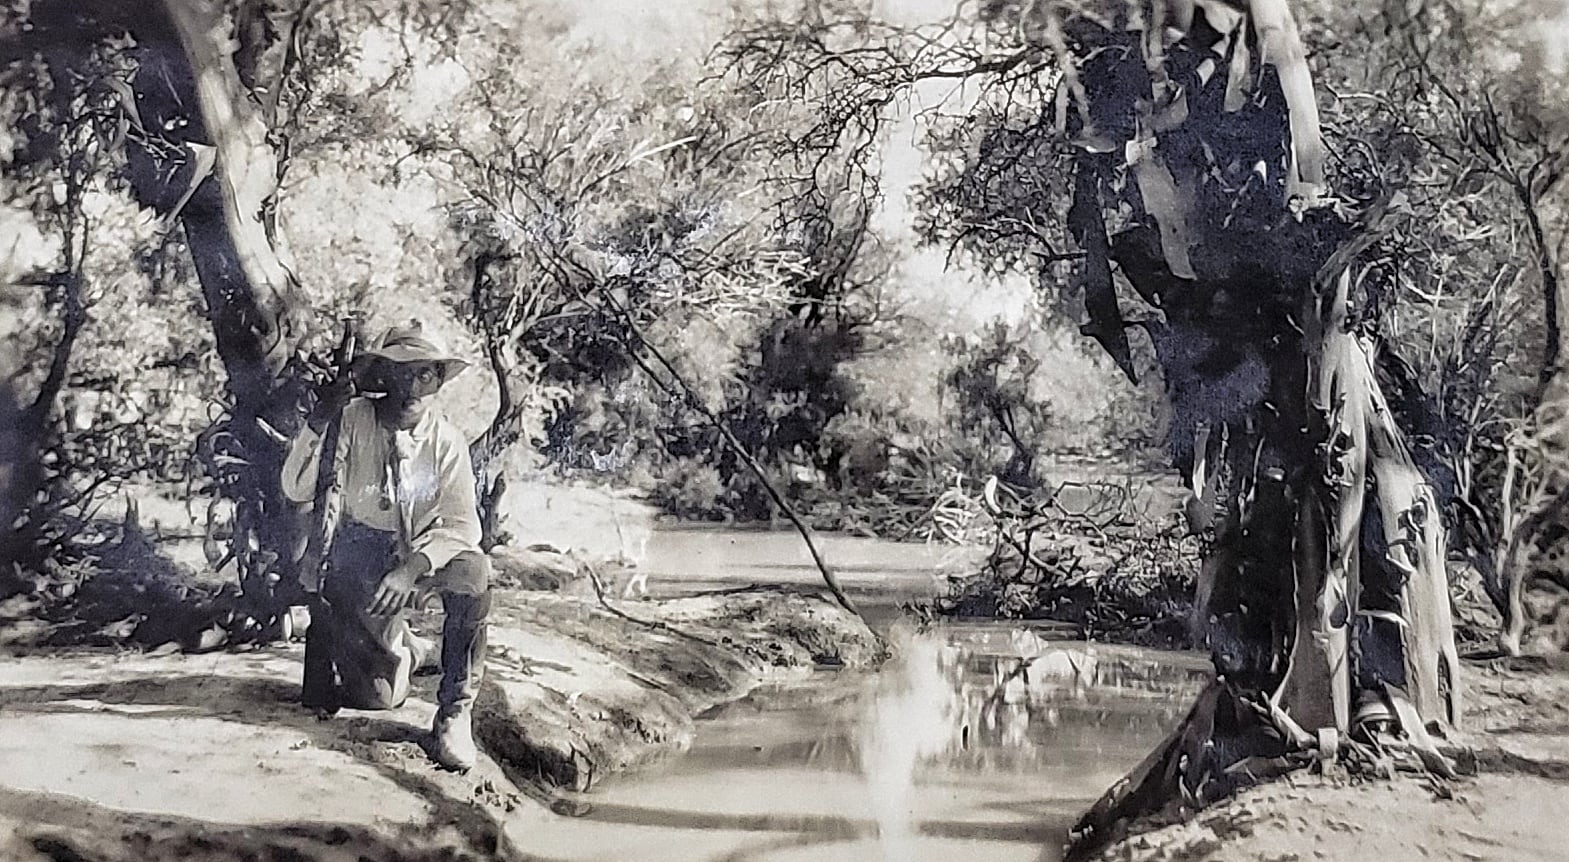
(396, 589)
(334, 395)
(331, 398)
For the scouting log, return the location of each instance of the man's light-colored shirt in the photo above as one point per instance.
(417, 483)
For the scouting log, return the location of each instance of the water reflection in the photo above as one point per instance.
(960, 698)
(915, 714)
(980, 742)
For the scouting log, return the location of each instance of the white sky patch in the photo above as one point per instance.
(645, 30)
(901, 170)
(23, 247)
(915, 12)
(380, 54)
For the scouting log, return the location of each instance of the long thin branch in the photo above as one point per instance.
(1548, 270)
(660, 625)
(683, 390)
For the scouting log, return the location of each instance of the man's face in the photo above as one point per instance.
(407, 388)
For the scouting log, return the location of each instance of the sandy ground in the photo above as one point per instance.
(142, 756)
(152, 757)
(1515, 808)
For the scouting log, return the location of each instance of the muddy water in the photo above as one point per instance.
(982, 741)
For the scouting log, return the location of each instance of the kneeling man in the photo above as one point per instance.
(408, 526)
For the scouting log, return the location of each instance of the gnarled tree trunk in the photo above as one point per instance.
(250, 293)
(1324, 594)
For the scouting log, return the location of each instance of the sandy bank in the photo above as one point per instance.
(1512, 810)
(127, 756)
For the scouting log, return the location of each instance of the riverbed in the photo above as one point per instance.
(983, 740)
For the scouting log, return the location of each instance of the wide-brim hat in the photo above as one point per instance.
(410, 344)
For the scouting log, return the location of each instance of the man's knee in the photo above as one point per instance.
(467, 574)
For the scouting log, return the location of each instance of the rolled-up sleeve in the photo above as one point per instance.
(452, 524)
(302, 461)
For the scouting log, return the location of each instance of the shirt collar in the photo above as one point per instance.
(422, 431)
(425, 429)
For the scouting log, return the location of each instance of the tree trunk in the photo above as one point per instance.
(1329, 562)
(250, 295)
(248, 290)
(20, 477)
(202, 156)
(1381, 494)
(500, 335)
(1324, 594)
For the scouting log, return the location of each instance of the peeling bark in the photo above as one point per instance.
(1412, 537)
(1317, 688)
(1288, 629)
(1325, 588)
(1282, 48)
(1100, 293)
(249, 291)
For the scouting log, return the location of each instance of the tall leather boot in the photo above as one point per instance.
(464, 639)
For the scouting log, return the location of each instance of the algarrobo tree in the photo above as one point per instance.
(1186, 138)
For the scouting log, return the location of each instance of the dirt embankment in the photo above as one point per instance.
(131, 756)
(1512, 810)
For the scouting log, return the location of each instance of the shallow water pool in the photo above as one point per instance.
(982, 741)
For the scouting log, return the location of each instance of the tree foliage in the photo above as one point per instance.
(1171, 167)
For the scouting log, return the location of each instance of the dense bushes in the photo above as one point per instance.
(861, 430)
